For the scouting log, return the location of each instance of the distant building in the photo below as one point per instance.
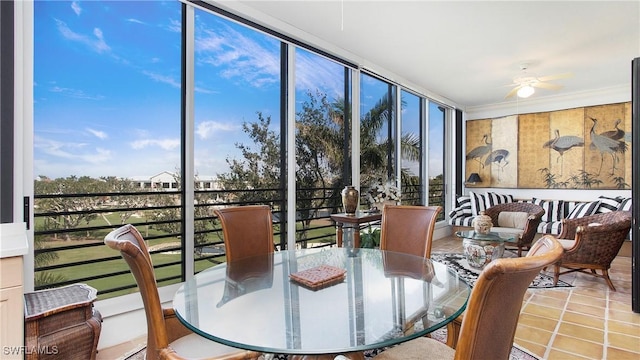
(169, 181)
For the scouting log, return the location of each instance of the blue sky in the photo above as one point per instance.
(107, 87)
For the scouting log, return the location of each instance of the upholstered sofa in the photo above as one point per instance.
(469, 206)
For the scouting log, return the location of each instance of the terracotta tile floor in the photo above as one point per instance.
(587, 321)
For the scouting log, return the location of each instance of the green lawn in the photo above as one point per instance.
(101, 251)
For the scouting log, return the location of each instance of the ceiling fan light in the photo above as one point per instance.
(526, 91)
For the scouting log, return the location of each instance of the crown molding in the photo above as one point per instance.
(609, 95)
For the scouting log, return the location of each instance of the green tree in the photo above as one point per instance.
(320, 155)
(68, 211)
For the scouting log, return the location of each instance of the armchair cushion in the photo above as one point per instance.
(194, 346)
(513, 219)
(584, 209)
(566, 243)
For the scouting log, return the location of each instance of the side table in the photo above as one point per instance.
(62, 323)
(352, 224)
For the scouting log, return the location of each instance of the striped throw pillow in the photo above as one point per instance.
(553, 209)
(492, 199)
(477, 203)
(608, 204)
(584, 209)
(625, 205)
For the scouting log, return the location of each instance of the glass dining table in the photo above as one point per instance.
(384, 298)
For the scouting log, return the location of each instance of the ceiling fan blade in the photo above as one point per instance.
(544, 85)
(555, 77)
(513, 91)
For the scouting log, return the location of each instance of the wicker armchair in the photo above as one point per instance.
(592, 247)
(531, 226)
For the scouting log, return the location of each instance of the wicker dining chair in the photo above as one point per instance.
(591, 243)
(491, 317)
(525, 239)
(167, 337)
(246, 230)
(408, 229)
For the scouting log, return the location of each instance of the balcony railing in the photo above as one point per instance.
(70, 228)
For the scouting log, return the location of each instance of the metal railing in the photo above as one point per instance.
(70, 228)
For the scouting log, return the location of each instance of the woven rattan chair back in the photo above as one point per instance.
(597, 241)
(247, 230)
(531, 226)
(408, 229)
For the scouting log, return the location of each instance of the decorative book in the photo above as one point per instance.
(319, 277)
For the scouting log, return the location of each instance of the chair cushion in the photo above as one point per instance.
(506, 230)
(194, 346)
(566, 244)
(421, 348)
(513, 219)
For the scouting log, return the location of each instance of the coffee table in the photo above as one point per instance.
(481, 249)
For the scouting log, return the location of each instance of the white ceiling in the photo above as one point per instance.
(469, 51)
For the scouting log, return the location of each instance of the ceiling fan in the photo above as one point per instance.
(526, 83)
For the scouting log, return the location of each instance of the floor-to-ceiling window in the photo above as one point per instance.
(411, 145)
(114, 134)
(378, 128)
(237, 125)
(436, 155)
(106, 112)
(322, 142)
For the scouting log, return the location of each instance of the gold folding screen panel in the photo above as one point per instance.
(581, 148)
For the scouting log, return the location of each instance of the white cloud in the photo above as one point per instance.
(162, 78)
(76, 7)
(72, 151)
(165, 144)
(207, 128)
(136, 21)
(75, 93)
(96, 43)
(97, 133)
(175, 26)
(315, 72)
(240, 57)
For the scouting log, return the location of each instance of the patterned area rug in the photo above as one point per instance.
(459, 264)
(517, 353)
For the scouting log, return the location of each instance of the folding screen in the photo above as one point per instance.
(581, 148)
